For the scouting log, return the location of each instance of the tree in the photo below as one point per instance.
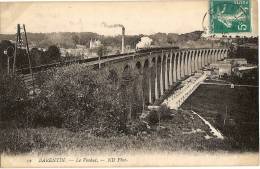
(100, 50)
(53, 54)
(13, 94)
(82, 99)
(75, 39)
(21, 59)
(36, 56)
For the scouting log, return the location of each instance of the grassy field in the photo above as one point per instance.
(234, 111)
(173, 134)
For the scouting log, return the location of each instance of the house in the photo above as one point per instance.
(94, 43)
(221, 68)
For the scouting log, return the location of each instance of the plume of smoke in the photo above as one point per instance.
(145, 42)
(112, 26)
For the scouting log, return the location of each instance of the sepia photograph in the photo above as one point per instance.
(129, 83)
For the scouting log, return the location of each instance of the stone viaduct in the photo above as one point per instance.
(154, 71)
(160, 70)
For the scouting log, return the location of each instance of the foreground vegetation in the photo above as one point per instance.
(234, 111)
(78, 108)
(174, 134)
(74, 97)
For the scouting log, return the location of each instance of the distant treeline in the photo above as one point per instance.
(70, 39)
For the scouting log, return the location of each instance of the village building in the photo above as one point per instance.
(221, 68)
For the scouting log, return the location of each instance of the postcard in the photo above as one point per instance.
(129, 83)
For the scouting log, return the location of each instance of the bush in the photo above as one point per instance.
(13, 97)
(138, 127)
(80, 98)
(163, 113)
(153, 117)
(75, 97)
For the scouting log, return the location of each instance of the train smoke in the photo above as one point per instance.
(145, 42)
(113, 25)
(123, 33)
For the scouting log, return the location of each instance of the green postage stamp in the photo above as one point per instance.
(230, 16)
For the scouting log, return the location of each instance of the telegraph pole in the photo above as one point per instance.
(19, 44)
(28, 55)
(18, 40)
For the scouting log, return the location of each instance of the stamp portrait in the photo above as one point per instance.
(230, 16)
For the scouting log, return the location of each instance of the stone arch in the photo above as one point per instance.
(178, 66)
(154, 76)
(113, 75)
(219, 51)
(215, 55)
(225, 53)
(195, 60)
(137, 68)
(205, 57)
(174, 67)
(163, 70)
(182, 59)
(159, 70)
(170, 70)
(146, 80)
(153, 60)
(202, 58)
(126, 89)
(138, 65)
(208, 56)
(211, 56)
(199, 59)
(192, 61)
(186, 63)
(222, 53)
(189, 62)
(146, 64)
(166, 71)
(137, 92)
(126, 71)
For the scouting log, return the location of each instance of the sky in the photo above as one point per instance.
(147, 17)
